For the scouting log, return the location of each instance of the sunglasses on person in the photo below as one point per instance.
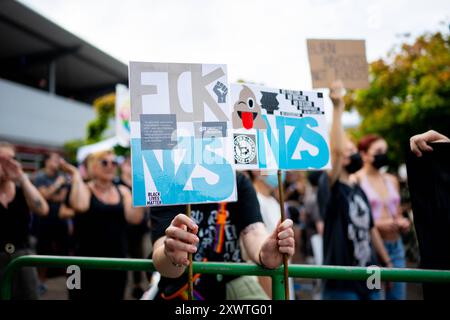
(105, 163)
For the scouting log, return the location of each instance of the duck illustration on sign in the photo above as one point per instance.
(247, 111)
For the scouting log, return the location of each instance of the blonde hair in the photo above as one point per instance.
(7, 145)
(94, 157)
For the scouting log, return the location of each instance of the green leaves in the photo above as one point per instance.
(105, 110)
(409, 93)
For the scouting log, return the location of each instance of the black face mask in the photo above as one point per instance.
(355, 163)
(380, 160)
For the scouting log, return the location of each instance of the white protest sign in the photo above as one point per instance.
(278, 129)
(181, 149)
(123, 115)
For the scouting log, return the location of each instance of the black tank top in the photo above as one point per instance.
(101, 231)
(14, 222)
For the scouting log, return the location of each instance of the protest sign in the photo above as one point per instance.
(181, 151)
(278, 129)
(122, 115)
(338, 60)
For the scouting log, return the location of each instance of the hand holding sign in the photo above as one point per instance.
(280, 242)
(179, 241)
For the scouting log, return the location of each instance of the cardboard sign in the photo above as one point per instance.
(338, 59)
(181, 151)
(123, 115)
(278, 129)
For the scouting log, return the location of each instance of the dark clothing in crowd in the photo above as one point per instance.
(101, 232)
(346, 240)
(14, 222)
(135, 238)
(429, 185)
(52, 232)
(14, 231)
(218, 242)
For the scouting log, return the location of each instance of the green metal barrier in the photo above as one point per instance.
(239, 269)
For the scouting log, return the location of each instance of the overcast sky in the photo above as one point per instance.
(260, 41)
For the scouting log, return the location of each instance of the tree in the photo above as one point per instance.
(104, 107)
(105, 110)
(409, 93)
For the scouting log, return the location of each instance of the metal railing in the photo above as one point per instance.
(238, 269)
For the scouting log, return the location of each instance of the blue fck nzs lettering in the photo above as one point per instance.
(171, 183)
(283, 149)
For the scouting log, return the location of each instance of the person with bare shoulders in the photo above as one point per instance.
(103, 210)
(18, 198)
(383, 191)
(52, 231)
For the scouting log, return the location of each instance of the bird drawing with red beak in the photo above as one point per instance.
(247, 112)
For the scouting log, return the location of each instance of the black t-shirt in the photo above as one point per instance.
(240, 214)
(347, 223)
(14, 222)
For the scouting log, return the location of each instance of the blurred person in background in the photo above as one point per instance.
(350, 237)
(313, 220)
(383, 191)
(266, 186)
(52, 231)
(135, 233)
(310, 202)
(294, 185)
(18, 198)
(103, 211)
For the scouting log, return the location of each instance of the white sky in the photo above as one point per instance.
(260, 41)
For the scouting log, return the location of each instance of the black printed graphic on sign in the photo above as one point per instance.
(153, 198)
(221, 91)
(245, 149)
(302, 103)
(269, 101)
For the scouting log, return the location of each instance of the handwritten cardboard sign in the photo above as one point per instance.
(338, 59)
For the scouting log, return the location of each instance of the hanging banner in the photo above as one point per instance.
(278, 129)
(123, 115)
(180, 146)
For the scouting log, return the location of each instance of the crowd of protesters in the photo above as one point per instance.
(354, 209)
